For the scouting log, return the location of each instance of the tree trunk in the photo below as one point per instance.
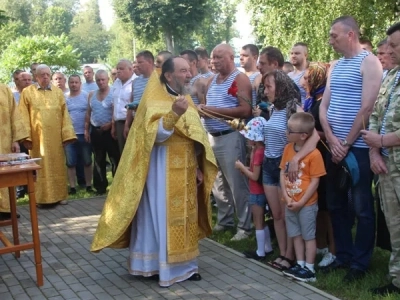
(169, 42)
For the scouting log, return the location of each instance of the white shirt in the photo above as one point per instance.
(121, 97)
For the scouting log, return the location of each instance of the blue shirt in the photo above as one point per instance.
(274, 131)
(77, 107)
(88, 87)
(218, 96)
(346, 90)
(101, 110)
(17, 95)
(296, 79)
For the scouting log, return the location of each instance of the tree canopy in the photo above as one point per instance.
(283, 23)
(56, 52)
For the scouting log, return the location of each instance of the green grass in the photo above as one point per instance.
(330, 283)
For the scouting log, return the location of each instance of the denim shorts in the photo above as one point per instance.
(258, 199)
(271, 171)
(79, 149)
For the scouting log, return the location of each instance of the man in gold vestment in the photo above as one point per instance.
(44, 112)
(159, 202)
(11, 131)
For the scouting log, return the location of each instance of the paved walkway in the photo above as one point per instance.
(73, 272)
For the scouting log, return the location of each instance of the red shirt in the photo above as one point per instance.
(256, 159)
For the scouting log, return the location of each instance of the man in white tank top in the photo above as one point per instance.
(346, 105)
(231, 190)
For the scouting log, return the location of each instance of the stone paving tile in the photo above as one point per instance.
(72, 272)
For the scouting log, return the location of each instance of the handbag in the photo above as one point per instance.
(348, 173)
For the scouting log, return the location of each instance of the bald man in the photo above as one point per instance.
(231, 190)
(121, 97)
(298, 58)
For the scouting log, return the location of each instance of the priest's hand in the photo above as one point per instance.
(27, 144)
(15, 147)
(199, 177)
(180, 105)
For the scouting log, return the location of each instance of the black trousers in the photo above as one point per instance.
(103, 144)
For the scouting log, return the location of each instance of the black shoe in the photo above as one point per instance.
(72, 191)
(89, 189)
(291, 272)
(100, 192)
(253, 255)
(333, 266)
(385, 290)
(7, 216)
(195, 277)
(353, 275)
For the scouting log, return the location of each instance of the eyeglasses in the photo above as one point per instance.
(288, 131)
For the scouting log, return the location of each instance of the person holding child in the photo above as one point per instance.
(301, 196)
(257, 201)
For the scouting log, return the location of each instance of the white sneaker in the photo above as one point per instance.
(322, 251)
(327, 260)
(218, 228)
(240, 235)
(63, 202)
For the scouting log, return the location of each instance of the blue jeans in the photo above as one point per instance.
(357, 254)
(79, 148)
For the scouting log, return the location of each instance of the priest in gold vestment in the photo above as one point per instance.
(44, 112)
(11, 131)
(159, 202)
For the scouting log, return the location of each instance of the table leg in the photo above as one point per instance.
(14, 220)
(35, 231)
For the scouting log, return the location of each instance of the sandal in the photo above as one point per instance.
(289, 261)
(274, 264)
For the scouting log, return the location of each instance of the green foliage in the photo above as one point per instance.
(54, 21)
(283, 23)
(174, 18)
(123, 43)
(9, 32)
(89, 35)
(54, 51)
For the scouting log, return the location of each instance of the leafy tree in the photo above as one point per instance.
(9, 32)
(54, 51)
(54, 21)
(288, 22)
(3, 18)
(20, 10)
(89, 35)
(173, 18)
(123, 42)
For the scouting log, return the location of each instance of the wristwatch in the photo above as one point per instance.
(345, 143)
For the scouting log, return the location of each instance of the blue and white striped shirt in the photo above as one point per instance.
(101, 110)
(139, 84)
(296, 79)
(208, 74)
(218, 96)
(274, 131)
(252, 77)
(88, 87)
(77, 107)
(192, 81)
(345, 103)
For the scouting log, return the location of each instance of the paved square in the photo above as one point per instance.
(72, 272)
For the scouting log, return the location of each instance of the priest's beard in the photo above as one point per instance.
(182, 89)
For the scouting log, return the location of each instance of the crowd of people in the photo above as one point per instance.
(317, 133)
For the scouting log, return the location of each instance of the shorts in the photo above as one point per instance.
(271, 171)
(303, 222)
(258, 199)
(79, 149)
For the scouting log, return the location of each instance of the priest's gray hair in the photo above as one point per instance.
(42, 67)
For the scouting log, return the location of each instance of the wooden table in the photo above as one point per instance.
(11, 176)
